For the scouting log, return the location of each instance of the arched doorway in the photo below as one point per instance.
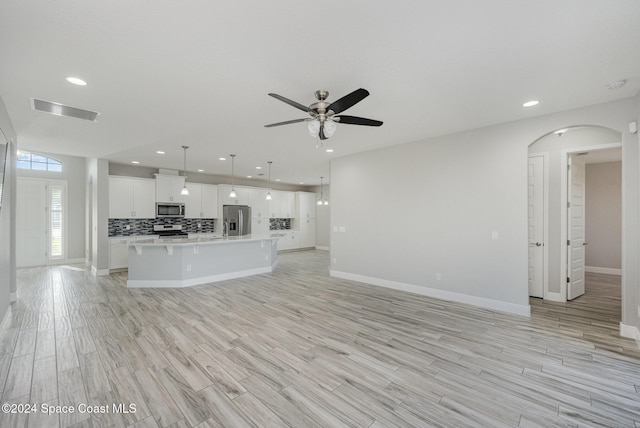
(557, 264)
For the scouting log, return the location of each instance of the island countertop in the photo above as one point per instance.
(180, 241)
(184, 262)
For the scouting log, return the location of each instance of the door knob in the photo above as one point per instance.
(585, 243)
(537, 244)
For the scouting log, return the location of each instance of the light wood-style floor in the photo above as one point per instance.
(298, 348)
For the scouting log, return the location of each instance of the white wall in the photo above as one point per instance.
(74, 172)
(98, 214)
(7, 218)
(415, 210)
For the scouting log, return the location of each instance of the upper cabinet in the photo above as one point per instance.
(131, 197)
(242, 195)
(282, 204)
(168, 188)
(305, 205)
(259, 203)
(202, 201)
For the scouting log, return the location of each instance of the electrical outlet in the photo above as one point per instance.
(127, 227)
(638, 311)
(438, 276)
(335, 261)
(188, 268)
(495, 235)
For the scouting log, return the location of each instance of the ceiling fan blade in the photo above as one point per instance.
(348, 100)
(354, 120)
(291, 103)
(321, 133)
(271, 125)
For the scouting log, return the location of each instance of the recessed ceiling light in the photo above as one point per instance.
(160, 152)
(201, 170)
(222, 158)
(302, 182)
(136, 162)
(531, 103)
(248, 176)
(76, 81)
(277, 179)
(258, 167)
(329, 150)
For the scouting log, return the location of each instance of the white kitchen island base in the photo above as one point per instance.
(184, 262)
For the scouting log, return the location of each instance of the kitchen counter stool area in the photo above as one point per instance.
(192, 261)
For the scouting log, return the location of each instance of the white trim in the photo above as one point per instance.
(13, 297)
(99, 272)
(323, 248)
(564, 161)
(630, 332)
(604, 270)
(545, 220)
(181, 283)
(55, 262)
(523, 310)
(555, 297)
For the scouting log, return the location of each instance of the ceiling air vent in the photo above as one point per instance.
(63, 110)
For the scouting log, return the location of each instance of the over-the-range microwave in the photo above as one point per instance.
(169, 209)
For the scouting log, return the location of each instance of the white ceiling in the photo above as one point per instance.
(166, 73)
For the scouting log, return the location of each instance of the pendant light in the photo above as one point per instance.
(321, 195)
(269, 192)
(185, 191)
(233, 190)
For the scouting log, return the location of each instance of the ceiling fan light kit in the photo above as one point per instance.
(323, 119)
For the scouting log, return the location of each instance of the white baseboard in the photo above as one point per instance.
(318, 247)
(497, 305)
(181, 283)
(607, 271)
(99, 272)
(631, 332)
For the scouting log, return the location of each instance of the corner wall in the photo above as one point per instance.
(422, 216)
(8, 290)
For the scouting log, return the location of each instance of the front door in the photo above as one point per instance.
(536, 226)
(31, 223)
(576, 228)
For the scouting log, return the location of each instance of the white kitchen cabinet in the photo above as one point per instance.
(305, 205)
(307, 233)
(168, 188)
(259, 226)
(282, 204)
(202, 201)
(288, 239)
(242, 195)
(131, 197)
(118, 253)
(259, 203)
(119, 250)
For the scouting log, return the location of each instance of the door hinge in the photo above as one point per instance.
(568, 242)
(568, 204)
(568, 167)
(568, 280)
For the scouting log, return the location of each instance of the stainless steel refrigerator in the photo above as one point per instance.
(237, 220)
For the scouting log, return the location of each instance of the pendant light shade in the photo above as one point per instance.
(185, 191)
(269, 192)
(233, 190)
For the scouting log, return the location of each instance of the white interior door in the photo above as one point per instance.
(31, 223)
(575, 228)
(536, 226)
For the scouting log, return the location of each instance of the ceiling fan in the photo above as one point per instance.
(322, 122)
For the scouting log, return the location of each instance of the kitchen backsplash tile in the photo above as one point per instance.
(279, 223)
(144, 226)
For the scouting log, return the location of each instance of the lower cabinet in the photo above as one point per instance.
(119, 251)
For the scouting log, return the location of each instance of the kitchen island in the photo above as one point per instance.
(184, 262)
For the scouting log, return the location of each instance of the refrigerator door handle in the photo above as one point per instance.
(241, 232)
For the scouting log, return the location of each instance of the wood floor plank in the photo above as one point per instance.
(297, 347)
